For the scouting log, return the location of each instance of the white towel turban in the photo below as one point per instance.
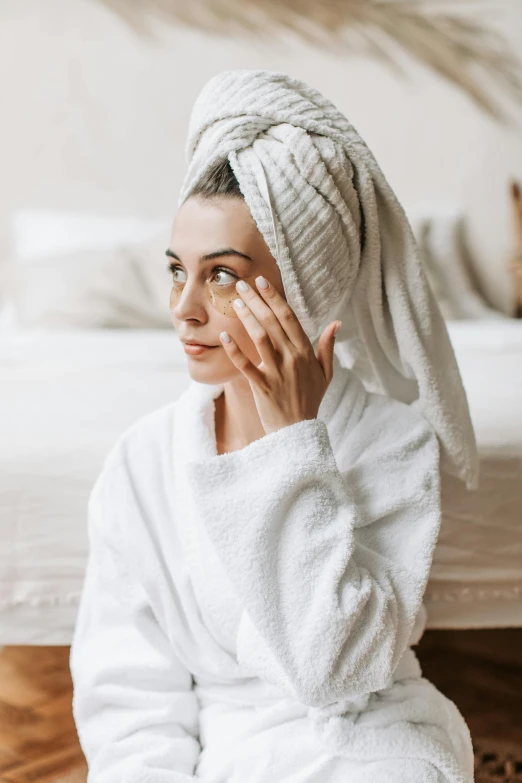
(341, 239)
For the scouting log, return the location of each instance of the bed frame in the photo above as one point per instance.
(515, 262)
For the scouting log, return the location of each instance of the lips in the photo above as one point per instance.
(194, 349)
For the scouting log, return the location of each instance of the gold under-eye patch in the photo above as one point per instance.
(220, 296)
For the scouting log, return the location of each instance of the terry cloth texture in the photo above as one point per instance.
(249, 617)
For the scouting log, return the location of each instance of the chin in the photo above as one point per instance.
(211, 372)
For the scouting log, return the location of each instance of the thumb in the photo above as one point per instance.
(325, 349)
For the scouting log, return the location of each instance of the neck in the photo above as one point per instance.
(237, 420)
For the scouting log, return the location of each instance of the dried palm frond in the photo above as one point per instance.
(455, 45)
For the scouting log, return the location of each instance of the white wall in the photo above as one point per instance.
(93, 118)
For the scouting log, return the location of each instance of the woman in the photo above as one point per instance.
(259, 548)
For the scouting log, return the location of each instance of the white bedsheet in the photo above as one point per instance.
(65, 399)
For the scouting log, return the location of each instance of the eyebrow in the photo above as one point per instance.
(227, 251)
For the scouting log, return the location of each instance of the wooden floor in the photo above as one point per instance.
(38, 740)
(481, 671)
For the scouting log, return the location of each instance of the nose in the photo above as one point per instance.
(188, 301)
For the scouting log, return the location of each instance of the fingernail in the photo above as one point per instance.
(242, 286)
(225, 337)
(261, 282)
(339, 324)
(239, 303)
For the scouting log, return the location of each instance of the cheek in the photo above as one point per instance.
(221, 298)
(238, 332)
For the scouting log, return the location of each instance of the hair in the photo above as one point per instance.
(219, 180)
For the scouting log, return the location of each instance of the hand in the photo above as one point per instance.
(290, 382)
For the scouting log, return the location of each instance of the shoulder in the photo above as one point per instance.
(131, 507)
(139, 457)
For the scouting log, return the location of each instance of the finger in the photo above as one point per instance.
(257, 332)
(242, 362)
(325, 350)
(286, 318)
(265, 316)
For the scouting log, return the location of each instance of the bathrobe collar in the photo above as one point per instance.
(340, 409)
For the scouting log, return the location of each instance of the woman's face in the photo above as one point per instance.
(203, 289)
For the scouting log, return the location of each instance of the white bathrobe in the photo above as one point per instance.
(247, 617)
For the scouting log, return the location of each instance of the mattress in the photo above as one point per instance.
(67, 397)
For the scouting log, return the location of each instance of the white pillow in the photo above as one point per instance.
(110, 276)
(40, 233)
(440, 236)
(124, 287)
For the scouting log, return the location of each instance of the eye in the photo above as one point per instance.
(173, 269)
(217, 272)
(220, 272)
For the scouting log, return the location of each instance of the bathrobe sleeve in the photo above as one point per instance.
(135, 711)
(330, 565)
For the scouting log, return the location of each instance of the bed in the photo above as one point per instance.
(476, 577)
(67, 396)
